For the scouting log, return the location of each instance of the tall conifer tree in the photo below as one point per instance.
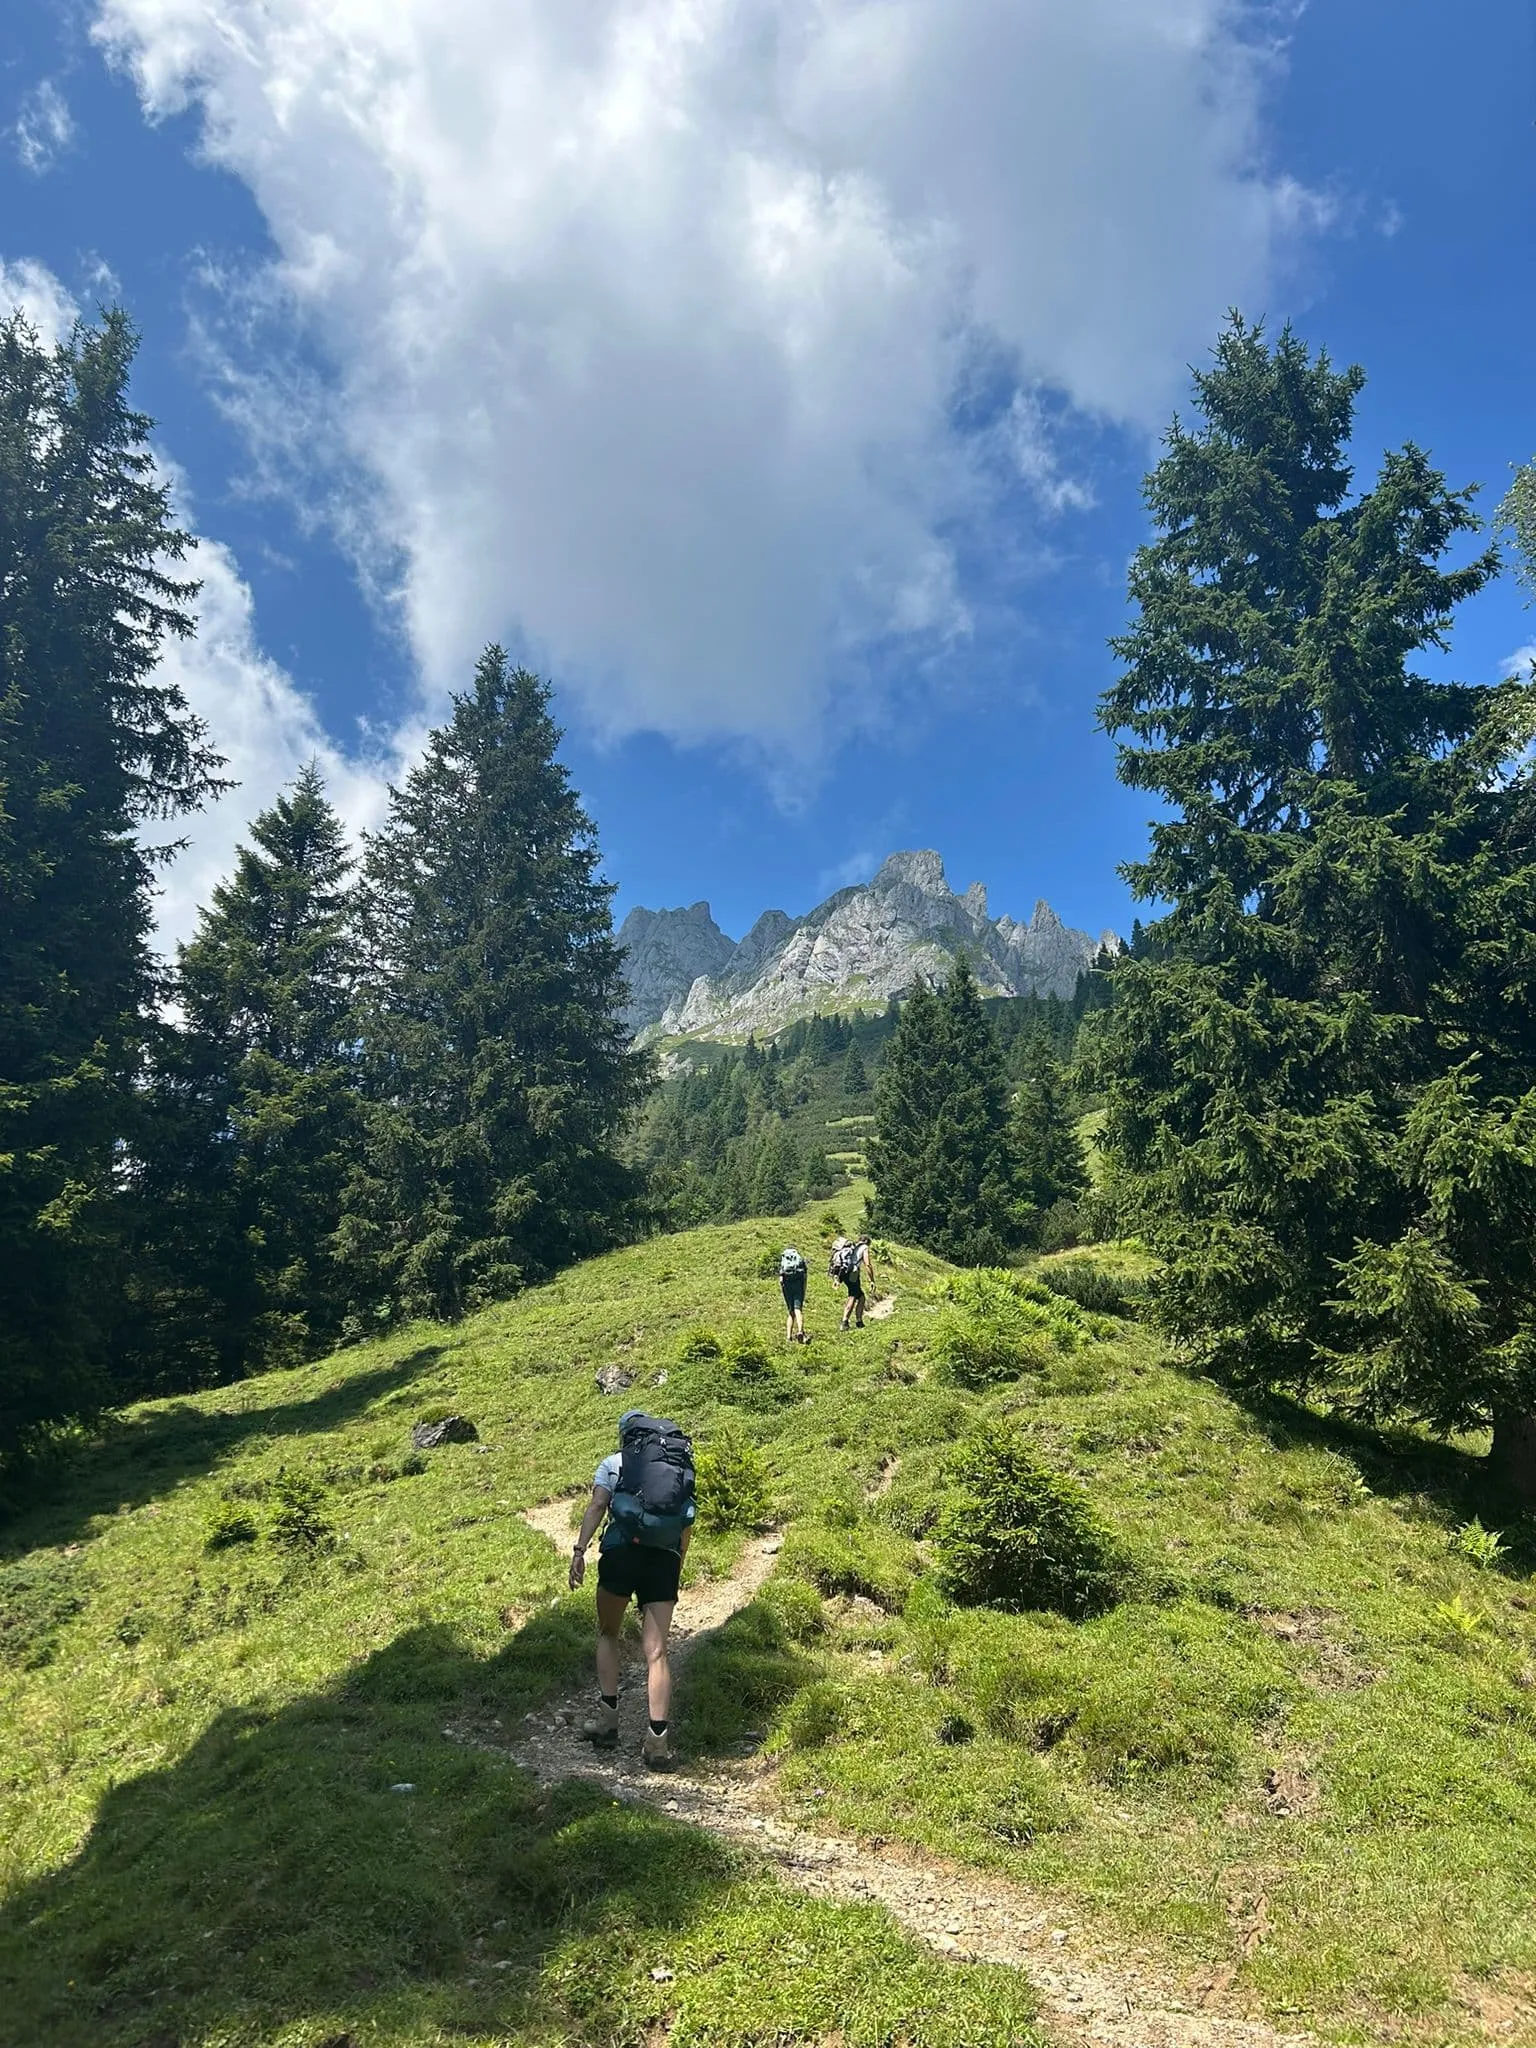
(941, 1157)
(94, 741)
(500, 1076)
(255, 1115)
(1048, 1153)
(1320, 1064)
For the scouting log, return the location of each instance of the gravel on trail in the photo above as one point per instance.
(1086, 1994)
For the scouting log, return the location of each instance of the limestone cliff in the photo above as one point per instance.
(854, 951)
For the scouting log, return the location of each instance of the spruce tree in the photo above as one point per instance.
(1048, 1153)
(1320, 1062)
(855, 1080)
(94, 743)
(256, 1112)
(499, 1074)
(941, 1156)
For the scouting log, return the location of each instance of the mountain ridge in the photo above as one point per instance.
(854, 950)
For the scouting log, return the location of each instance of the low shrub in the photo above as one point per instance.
(299, 1523)
(1480, 1546)
(698, 1346)
(1094, 1286)
(974, 1351)
(1063, 1225)
(1017, 1535)
(230, 1524)
(732, 1485)
(752, 1374)
(996, 1325)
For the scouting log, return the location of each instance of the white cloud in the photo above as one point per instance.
(262, 723)
(33, 289)
(644, 316)
(44, 128)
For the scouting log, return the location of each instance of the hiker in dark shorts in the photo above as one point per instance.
(647, 1572)
(794, 1272)
(852, 1264)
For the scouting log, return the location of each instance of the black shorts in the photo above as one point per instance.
(792, 1287)
(640, 1569)
(855, 1286)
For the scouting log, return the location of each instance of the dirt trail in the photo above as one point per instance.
(1085, 1995)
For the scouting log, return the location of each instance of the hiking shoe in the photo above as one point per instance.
(656, 1752)
(602, 1728)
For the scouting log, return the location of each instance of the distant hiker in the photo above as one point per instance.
(852, 1264)
(645, 1489)
(794, 1272)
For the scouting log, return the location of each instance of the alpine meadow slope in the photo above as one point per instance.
(1268, 1719)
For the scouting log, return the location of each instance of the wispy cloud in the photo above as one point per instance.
(44, 127)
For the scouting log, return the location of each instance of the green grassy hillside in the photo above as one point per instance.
(1297, 1748)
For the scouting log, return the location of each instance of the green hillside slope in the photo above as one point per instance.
(1295, 1747)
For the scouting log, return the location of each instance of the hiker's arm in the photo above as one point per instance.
(597, 1507)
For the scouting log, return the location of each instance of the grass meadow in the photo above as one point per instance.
(1298, 1750)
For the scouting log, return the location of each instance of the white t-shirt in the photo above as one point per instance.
(607, 1474)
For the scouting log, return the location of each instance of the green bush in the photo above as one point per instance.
(732, 1485)
(1017, 1535)
(1065, 1224)
(753, 1374)
(230, 1524)
(299, 1523)
(698, 1346)
(1093, 1286)
(996, 1325)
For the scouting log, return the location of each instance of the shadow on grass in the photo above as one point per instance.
(139, 1458)
(338, 1863)
(1452, 1485)
(736, 1678)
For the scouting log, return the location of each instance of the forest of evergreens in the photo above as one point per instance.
(391, 1082)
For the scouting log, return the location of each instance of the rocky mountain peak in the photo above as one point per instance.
(854, 951)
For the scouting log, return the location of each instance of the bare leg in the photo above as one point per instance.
(610, 1619)
(656, 1626)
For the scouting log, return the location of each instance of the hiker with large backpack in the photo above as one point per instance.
(852, 1265)
(643, 1492)
(794, 1272)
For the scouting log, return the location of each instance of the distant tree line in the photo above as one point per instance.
(362, 1092)
(967, 1159)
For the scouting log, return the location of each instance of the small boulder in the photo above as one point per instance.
(453, 1429)
(613, 1379)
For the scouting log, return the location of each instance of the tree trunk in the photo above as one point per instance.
(1512, 1460)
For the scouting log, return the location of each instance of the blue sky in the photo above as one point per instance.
(778, 378)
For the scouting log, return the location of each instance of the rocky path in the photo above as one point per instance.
(1086, 1995)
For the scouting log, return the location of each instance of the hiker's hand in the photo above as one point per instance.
(578, 1568)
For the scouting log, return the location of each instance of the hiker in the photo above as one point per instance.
(851, 1263)
(645, 1491)
(794, 1272)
